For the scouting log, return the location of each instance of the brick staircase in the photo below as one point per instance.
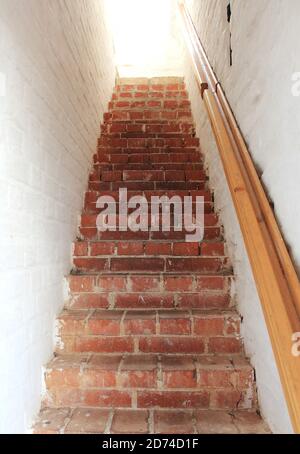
(149, 338)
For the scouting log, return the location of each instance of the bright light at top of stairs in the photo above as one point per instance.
(143, 33)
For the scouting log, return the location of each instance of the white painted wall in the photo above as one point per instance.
(57, 75)
(265, 36)
(146, 37)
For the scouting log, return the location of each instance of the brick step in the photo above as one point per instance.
(150, 95)
(184, 141)
(173, 156)
(89, 220)
(112, 248)
(150, 322)
(150, 381)
(146, 135)
(149, 301)
(150, 90)
(92, 196)
(148, 155)
(162, 85)
(149, 123)
(92, 233)
(147, 185)
(158, 103)
(148, 128)
(183, 115)
(149, 99)
(151, 175)
(87, 420)
(142, 292)
(182, 265)
(91, 209)
(126, 162)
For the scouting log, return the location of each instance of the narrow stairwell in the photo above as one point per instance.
(149, 340)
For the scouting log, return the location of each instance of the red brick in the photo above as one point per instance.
(111, 176)
(210, 422)
(171, 422)
(158, 249)
(81, 248)
(145, 283)
(200, 301)
(90, 264)
(122, 104)
(111, 283)
(92, 421)
(186, 249)
(223, 345)
(143, 87)
(171, 345)
(130, 249)
(140, 323)
(107, 398)
(137, 264)
(62, 377)
(153, 104)
(88, 220)
(51, 421)
(174, 324)
(212, 249)
(173, 87)
(194, 264)
(170, 105)
(144, 301)
(216, 379)
(210, 283)
(117, 128)
(180, 379)
(90, 301)
(95, 378)
(103, 344)
(102, 249)
(81, 283)
(130, 422)
(226, 399)
(209, 326)
(172, 399)
(181, 284)
(105, 323)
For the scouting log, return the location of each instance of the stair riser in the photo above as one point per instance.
(147, 185)
(143, 285)
(181, 115)
(86, 249)
(204, 265)
(153, 323)
(155, 176)
(150, 344)
(146, 301)
(156, 379)
(180, 142)
(214, 399)
(146, 128)
(142, 166)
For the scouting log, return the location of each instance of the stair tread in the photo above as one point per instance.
(149, 361)
(119, 421)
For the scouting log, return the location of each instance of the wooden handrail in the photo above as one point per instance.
(273, 270)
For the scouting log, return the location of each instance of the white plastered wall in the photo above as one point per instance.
(264, 37)
(56, 78)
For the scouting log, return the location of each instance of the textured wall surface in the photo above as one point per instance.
(57, 75)
(259, 87)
